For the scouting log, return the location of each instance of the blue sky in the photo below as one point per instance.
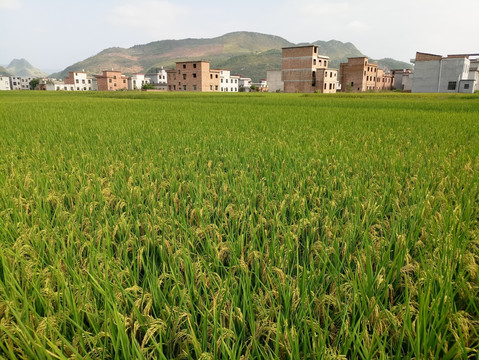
(53, 34)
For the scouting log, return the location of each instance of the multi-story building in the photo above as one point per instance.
(56, 85)
(438, 74)
(228, 82)
(5, 83)
(136, 81)
(20, 82)
(111, 80)
(305, 71)
(358, 74)
(158, 79)
(193, 76)
(80, 80)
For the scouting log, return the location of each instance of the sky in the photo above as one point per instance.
(53, 34)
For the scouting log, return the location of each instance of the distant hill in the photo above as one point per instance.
(247, 53)
(21, 67)
(4, 71)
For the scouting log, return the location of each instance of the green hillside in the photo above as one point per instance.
(247, 53)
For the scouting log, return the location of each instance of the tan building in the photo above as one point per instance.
(358, 74)
(304, 70)
(111, 80)
(193, 76)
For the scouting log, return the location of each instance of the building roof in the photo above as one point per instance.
(300, 46)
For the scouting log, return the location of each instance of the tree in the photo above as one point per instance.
(34, 83)
(147, 86)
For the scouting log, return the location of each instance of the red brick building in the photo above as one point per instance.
(193, 76)
(358, 75)
(111, 80)
(304, 70)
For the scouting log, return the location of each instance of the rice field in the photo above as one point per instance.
(239, 226)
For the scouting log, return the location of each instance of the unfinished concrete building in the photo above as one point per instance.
(193, 76)
(358, 75)
(303, 70)
(438, 74)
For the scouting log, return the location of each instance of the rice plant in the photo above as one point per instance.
(239, 226)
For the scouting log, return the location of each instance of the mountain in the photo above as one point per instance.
(21, 67)
(4, 71)
(247, 53)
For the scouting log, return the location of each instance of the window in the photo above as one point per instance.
(184, 66)
(83, 81)
(89, 81)
(451, 85)
(216, 87)
(227, 81)
(352, 83)
(194, 87)
(330, 86)
(325, 86)
(109, 80)
(211, 76)
(77, 81)
(466, 86)
(114, 84)
(184, 87)
(184, 76)
(325, 63)
(216, 76)
(114, 77)
(314, 61)
(194, 66)
(194, 75)
(211, 87)
(222, 81)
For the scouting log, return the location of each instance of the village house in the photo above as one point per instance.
(136, 81)
(20, 82)
(358, 75)
(228, 82)
(451, 74)
(80, 81)
(158, 79)
(193, 76)
(402, 79)
(244, 84)
(305, 71)
(5, 83)
(111, 80)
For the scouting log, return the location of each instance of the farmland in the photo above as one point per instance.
(139, 225)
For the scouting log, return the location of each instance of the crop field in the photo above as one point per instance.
(238, 226)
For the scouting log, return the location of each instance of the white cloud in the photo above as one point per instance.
(10, 4)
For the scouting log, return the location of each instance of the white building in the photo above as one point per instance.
(56, 85)
(228, 82)
(474, 73)
(136, 81)
(5, 83)
(158, 79)
(244, 84)
(20, 82)
(81, 81)
(437, 74)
